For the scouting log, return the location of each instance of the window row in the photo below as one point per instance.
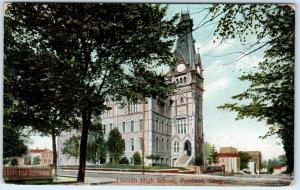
(134, 144)
(132, 108)
(161, 126)
(162, 145)
(181, 80)
(124, 127)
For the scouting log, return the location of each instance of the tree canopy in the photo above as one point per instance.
(270, 96)
(96, 51)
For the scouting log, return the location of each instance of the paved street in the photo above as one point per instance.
(136, 178)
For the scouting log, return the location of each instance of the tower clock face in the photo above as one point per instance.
(198, 69)
(180, 67)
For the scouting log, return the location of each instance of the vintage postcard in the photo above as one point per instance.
(128, 94)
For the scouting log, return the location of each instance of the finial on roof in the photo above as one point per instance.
(198, 50)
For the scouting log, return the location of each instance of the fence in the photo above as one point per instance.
(28, 173)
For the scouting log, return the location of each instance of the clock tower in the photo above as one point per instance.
(186, 111)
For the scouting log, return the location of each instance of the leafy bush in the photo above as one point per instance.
(137, 158)
(124, 160)
(14, 162)
(36, 160)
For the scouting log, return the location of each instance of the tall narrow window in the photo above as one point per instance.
(176, 146)
(132, 144)
(181, 126)
(132, 126)
(103, 128)
(124, 126)
(110, 126)
(141, 124)
(141, 143)
(168, 145)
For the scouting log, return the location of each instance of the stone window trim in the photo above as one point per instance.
(176, 146)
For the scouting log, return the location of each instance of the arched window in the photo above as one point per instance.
(156, 143)
(180, 80)
(168, 146)
(176, 146)
(163, 144)
(181, 100)
(184, 79)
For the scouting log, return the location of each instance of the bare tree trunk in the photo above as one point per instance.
(86, 123)
(53, 134)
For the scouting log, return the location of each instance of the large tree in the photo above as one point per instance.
(32, 90)
(103, 50)
(270, 95)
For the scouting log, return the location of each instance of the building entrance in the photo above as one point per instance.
(188, 147)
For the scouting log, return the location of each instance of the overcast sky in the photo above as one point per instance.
(221, 83)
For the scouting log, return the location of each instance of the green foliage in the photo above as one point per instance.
(270, 96)
(5, 161)
(244, 159)
(90, 52)
(137, 160)
(115, 145)
(197, 161)
(124, 160)
(14, 162)
(207, 151)
(97, 149)
(36, 160)
(272, 163)
(213, 157)
(13, 142)
(153, 157)
(71, 146)
(283, 160)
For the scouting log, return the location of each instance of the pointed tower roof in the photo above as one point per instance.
(185, 43)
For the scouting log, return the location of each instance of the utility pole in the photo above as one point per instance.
(143, 137)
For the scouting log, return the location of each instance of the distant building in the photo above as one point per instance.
(45, 156)
(279, 169)
(229, 158)
(256, 158)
